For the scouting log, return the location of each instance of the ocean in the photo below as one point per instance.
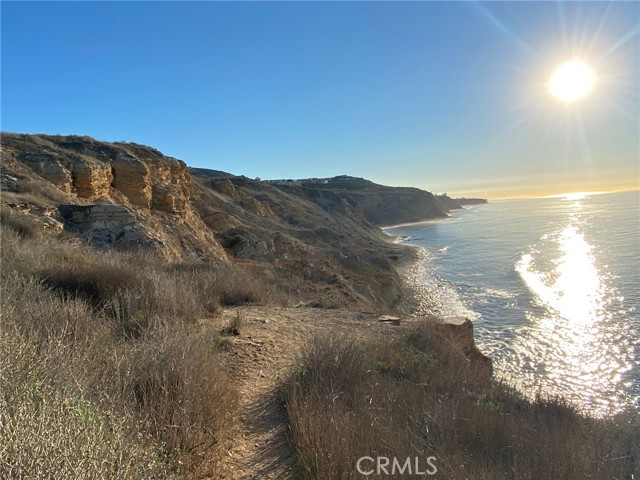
(552, 286)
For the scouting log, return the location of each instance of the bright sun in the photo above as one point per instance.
(572, 81)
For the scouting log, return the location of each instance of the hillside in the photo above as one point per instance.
(379, 204)
(319, 242)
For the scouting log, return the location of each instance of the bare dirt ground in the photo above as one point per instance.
(261, 358)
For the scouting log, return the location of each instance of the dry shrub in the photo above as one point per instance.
(178, 383)
(330, 368)
(102, 376)
(229, 284)
(40, 191)
(235, 325)
(96, 283)
(417, 398)
(333, 366)
(44, 316)
(53, 424)
(51, 431)
(138, 292)
(341, 408)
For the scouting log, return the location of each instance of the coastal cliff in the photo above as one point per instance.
(322, 236)
(379, 204)
(470, 201)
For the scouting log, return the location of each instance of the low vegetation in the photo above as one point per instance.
(105, 371)
(236, 324)
(419, 398)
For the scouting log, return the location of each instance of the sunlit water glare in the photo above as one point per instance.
(552, 286)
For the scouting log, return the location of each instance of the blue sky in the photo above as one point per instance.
(446, 96)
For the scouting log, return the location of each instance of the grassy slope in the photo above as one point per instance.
(108, 346)
(105, 372)
(418, 397)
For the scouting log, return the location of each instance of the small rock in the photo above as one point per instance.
(390, 319)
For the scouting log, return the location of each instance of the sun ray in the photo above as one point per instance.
(596, 35)
(585, 149)
(615, 106)
(563, 24)
(624, 39)
(503, 28)
(568, 135)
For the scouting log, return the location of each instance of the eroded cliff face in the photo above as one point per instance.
(118, 195)
(322, 247)
(97, 171)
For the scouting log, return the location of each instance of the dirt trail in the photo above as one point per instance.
(261, 359)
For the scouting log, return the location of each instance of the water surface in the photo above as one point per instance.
(553, 287)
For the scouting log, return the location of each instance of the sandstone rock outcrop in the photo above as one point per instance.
(106, 224)
(93, 170)
(91, 178)
(131, 177)
(116, 195)
(50, 168)
(459, 331)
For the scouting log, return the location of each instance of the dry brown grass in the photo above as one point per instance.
(55, 430)
(136, 289)
(20, 224)
(235, 325)
(416, 398)
(105, 371)
(176, 380)
(56, 424)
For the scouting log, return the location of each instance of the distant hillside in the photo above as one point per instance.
(381, 205)
(447, 202)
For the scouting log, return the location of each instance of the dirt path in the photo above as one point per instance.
(261, 358)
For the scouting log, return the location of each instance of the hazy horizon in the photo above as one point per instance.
(447, 97)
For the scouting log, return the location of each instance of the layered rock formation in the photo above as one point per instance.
(113, 194)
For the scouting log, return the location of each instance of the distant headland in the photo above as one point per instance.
(470, 201)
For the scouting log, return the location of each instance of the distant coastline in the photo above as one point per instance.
(470, 201)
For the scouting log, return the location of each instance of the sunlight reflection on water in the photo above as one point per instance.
(553, 288)
(572, 339)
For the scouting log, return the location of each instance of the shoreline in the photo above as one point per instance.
(410, 224)
(416, 298)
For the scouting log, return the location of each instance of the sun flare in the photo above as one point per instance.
(572, 81)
